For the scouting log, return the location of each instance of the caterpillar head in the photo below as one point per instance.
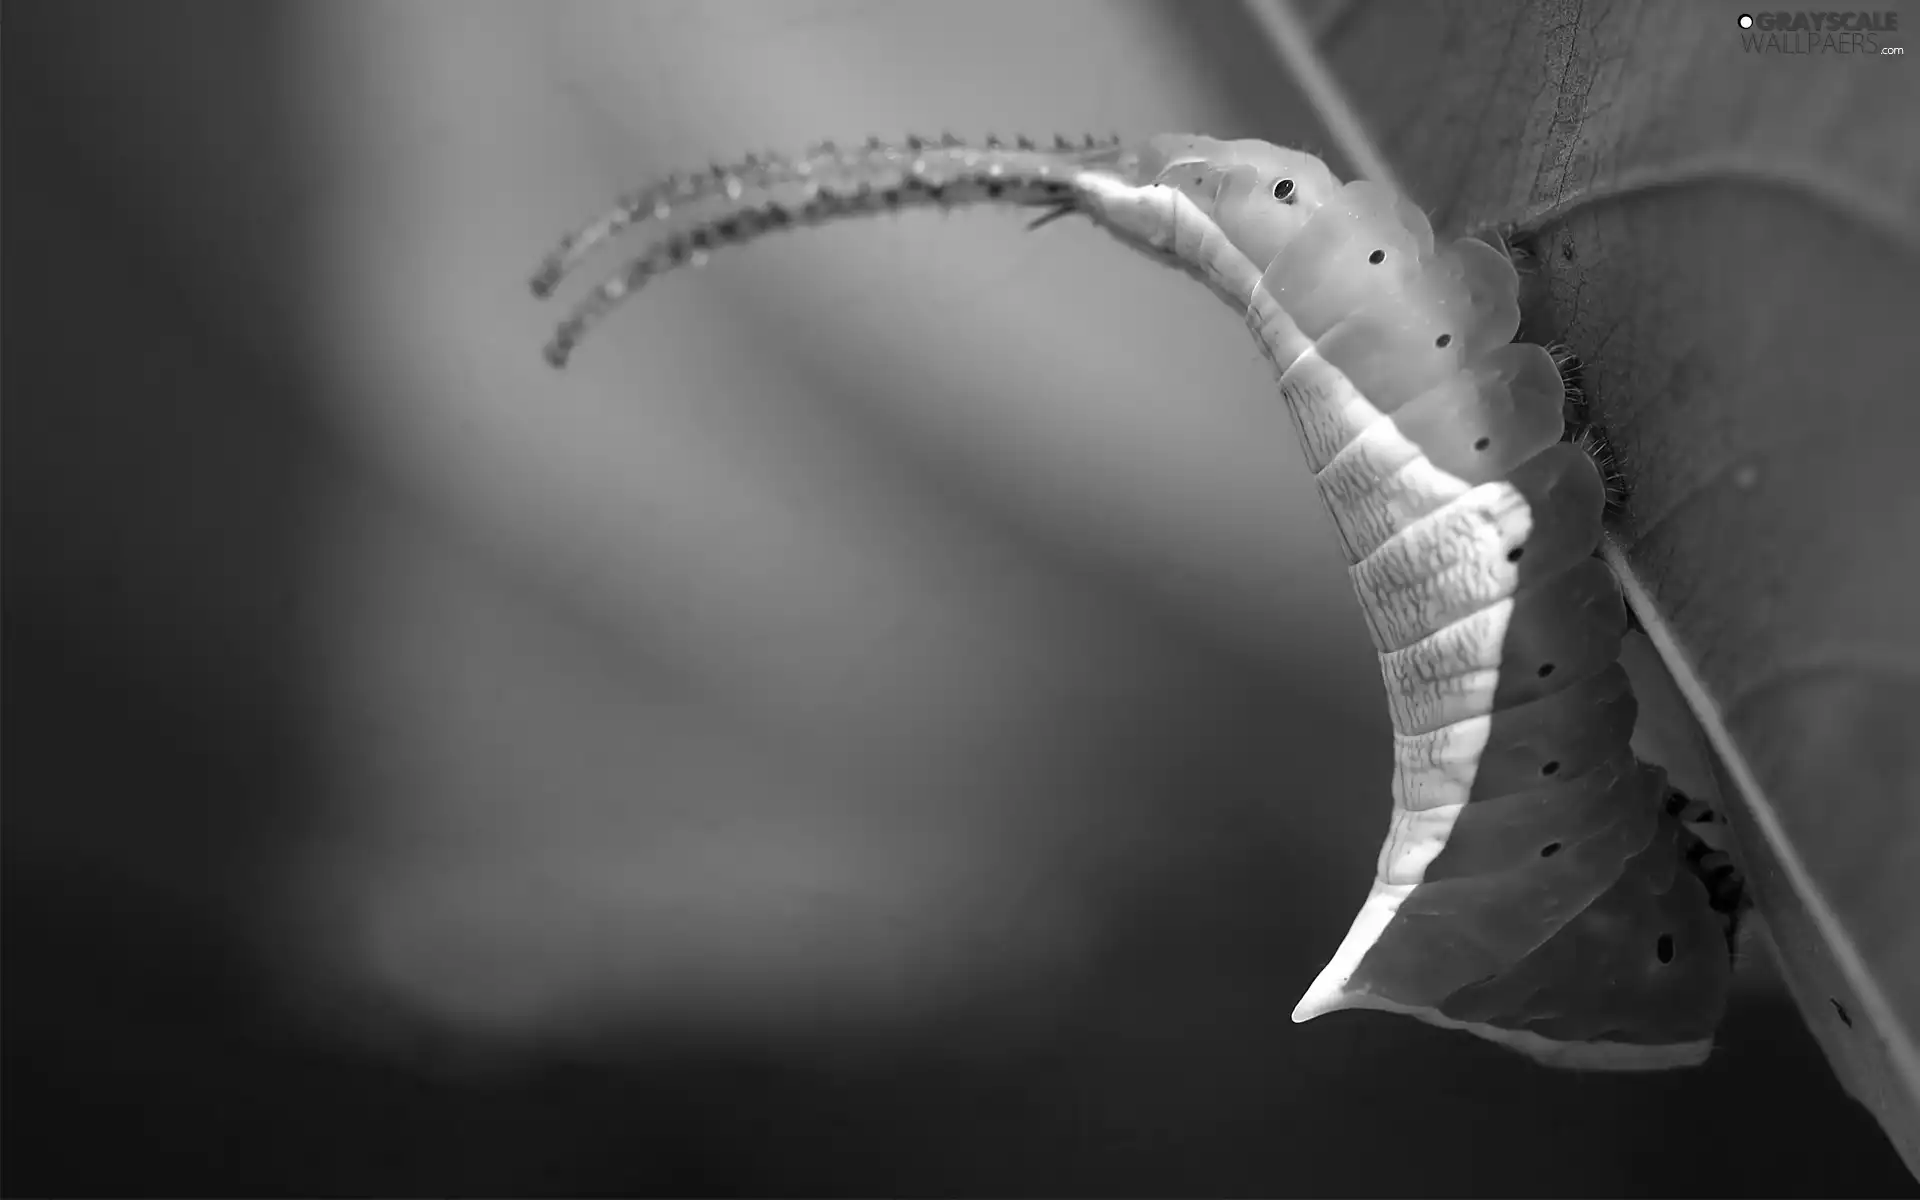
(1259, 194)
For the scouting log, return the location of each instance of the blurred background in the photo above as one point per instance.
(889, 719)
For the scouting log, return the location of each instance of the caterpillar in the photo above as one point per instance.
(1539, 886)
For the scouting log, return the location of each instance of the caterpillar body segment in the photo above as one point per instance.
(1456, 672)
(1475, 550)
(1536, 887)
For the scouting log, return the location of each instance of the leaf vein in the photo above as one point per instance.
(1849, 198)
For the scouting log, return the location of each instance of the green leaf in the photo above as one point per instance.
(1731, 241)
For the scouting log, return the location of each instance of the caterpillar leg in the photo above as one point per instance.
(1708, 856)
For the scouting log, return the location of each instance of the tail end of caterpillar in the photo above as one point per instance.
(1333, 991)
(1633, 979)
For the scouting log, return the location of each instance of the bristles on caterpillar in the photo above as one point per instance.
(1584, 431)
(734, 203)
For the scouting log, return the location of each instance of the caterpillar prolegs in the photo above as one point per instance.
(1538, 885)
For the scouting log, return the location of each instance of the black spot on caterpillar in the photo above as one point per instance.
(1538, 885)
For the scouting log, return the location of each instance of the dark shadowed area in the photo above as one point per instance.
(891, 720)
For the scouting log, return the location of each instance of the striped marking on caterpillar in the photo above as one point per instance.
(1539, 885)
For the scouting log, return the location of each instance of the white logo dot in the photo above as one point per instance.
(1746, 22)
